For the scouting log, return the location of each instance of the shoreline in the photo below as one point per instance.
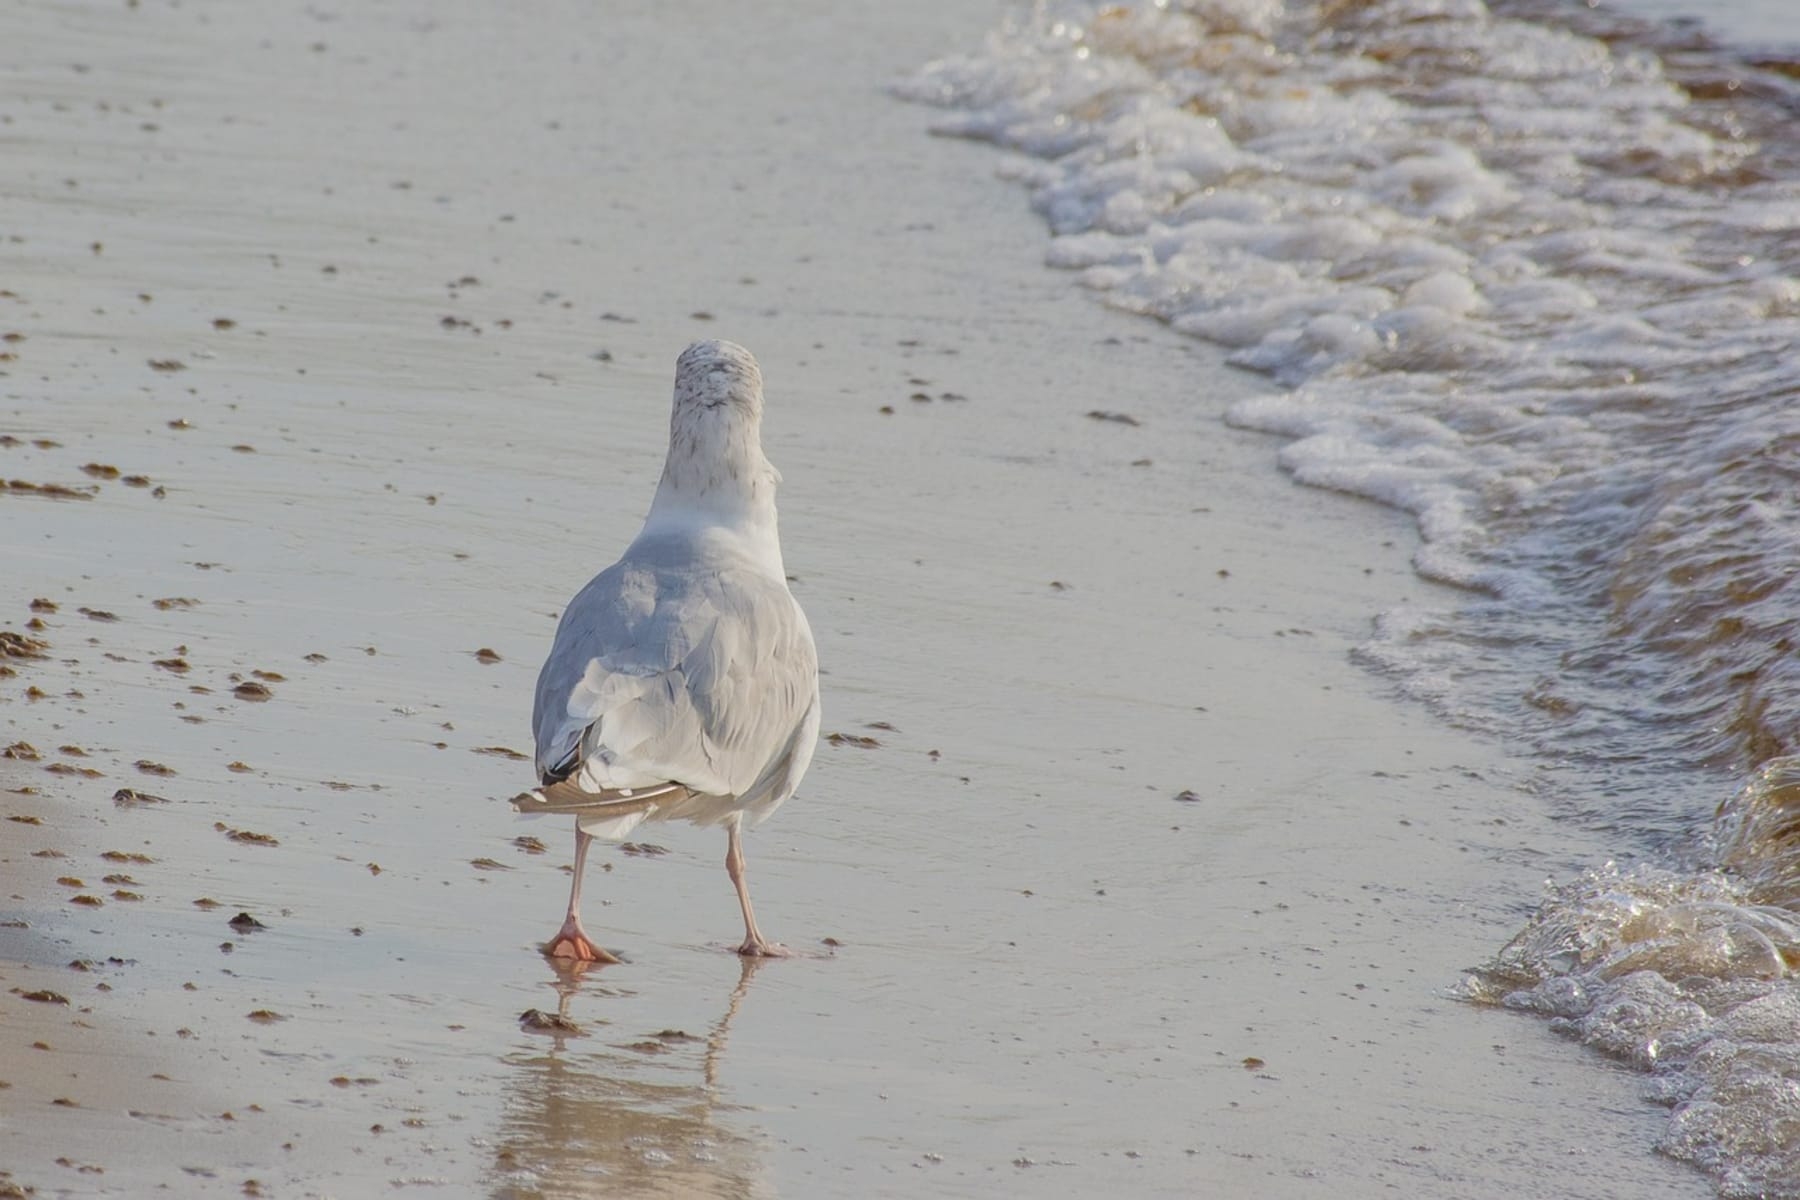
(1052, 973)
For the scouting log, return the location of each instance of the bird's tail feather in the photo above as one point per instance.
(565, 796)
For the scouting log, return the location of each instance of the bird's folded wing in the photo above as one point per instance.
(673, 672)
(564, 796)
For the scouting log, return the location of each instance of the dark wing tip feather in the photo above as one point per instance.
(562, 770)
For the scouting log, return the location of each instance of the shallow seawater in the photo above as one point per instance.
(1530, 272)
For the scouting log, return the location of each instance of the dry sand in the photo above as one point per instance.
(426, 269)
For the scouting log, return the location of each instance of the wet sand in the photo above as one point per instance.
(1144, 887)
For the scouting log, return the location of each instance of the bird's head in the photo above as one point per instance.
(715, 430)
(715, 376)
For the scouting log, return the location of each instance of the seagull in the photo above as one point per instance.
(683, 684)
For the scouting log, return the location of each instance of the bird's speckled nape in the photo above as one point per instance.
(716, 462)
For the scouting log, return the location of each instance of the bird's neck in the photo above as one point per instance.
(714, 492)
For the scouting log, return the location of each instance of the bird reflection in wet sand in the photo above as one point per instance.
(597, 1110)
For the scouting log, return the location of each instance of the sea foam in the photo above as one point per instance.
(1535, 280)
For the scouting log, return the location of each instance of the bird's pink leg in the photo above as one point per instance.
(572, 941)
(755, 945)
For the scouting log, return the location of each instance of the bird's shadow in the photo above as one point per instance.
(638, 1116)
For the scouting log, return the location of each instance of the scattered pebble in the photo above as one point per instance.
(251, 690)
(852, 739)
(543, 1022)
(56, 491)
(1116, 418)
(485, 656)
(17, 645)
